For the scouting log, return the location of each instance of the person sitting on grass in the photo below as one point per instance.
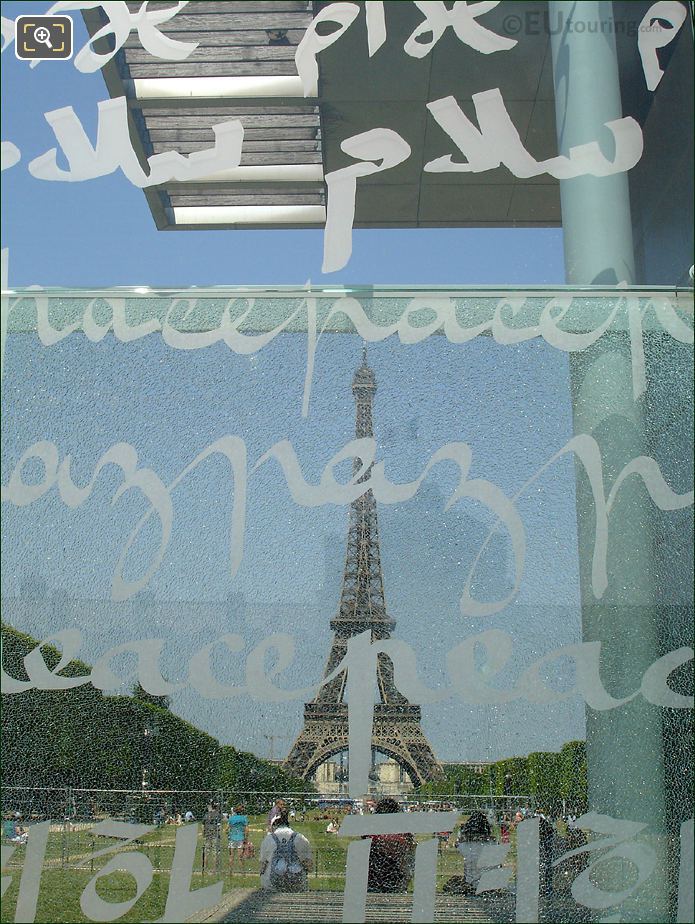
(237, 834)
(13, 831)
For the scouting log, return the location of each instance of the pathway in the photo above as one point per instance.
(247, 906)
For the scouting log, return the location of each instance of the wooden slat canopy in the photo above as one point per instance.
(296, 141)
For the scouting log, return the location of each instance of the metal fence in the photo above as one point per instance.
(79, 805)
(73, 812)
(136, 805)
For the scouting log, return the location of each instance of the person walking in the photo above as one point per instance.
(474, 834)
(285, 857)
(237, 835)
(547, 850)
(505, 829)
(212, 822)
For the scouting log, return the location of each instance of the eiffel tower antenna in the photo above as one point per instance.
(396, 730)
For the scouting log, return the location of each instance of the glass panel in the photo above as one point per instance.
(514, 539)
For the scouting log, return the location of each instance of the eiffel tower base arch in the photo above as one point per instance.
(396, 732)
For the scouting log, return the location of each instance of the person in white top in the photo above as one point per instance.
(279, 807)
(285, 858)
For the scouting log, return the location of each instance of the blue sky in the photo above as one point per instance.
(170, 405)
(511, 404)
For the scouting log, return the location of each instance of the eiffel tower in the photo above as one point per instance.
(396, 729)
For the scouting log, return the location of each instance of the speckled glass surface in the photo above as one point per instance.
(529, 463)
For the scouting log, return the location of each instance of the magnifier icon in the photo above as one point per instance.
(43, 35)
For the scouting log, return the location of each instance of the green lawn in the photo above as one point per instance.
(62, 883)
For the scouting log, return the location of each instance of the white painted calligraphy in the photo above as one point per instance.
(124, 457)
(343, 15)
(460, 664)
(652, 35)
(588, 452)
(462, 18)
(379, 144)
(498, 142)
(114, 149)
(620, 839)
(121, 22)
(330, 491)
(376, 25)
(354, 898)
(30, 880)
(134, 862)
(7, 27)
(575, 312)
(9, 155)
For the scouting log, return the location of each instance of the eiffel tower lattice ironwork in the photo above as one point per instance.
(396, 729)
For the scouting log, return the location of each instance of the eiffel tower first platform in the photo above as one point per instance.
(396, 730)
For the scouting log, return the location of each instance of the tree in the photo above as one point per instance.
(545, 780)
(545, 776)
(511, 777)
(242, 775)
(82, 738)
(573, 776)
(141, 694)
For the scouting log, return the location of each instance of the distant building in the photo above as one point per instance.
(477, 766)
(392, 779)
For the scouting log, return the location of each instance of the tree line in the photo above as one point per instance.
(549, 778)
(82, 738)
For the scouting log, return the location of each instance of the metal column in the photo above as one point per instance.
(624, 745)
